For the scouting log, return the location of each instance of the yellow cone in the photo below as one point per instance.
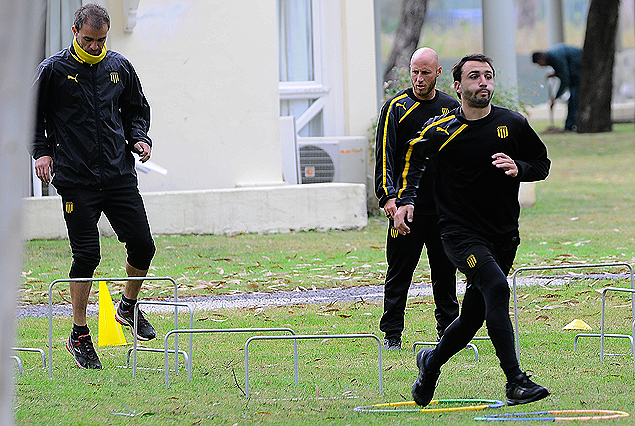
(577, 324)
(110, 332)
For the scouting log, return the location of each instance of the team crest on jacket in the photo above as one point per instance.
(114, 77)
(68, 207)
(394, 233)
(502, 132)
(445, 110)
(471, 261)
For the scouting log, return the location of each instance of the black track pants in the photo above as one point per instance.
(403, 253)
(486, 266)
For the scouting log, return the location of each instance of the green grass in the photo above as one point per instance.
(328, 369)
(583, 214)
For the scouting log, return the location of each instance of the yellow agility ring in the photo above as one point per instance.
(457, 405)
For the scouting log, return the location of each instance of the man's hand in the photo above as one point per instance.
(504, 161)
(144, 150)
(404, 213)
(44, 168)
(390, 208)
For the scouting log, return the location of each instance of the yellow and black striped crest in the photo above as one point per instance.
(502, 132)
(68, 207)
(445, 110)
(394, 233)
(114, 77)
(471, 261)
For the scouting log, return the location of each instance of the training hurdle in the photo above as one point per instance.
(40, 351)
(188, 357)
(308, 337)
(19, 362)
(193, 331)
(91, 280)
(602, 334)
(581, 266)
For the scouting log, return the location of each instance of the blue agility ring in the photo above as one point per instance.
(395, 407)
(555, 416)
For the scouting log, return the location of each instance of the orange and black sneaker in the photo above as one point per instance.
(145, 331)
(83, 351)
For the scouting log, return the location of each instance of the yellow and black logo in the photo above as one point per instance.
(445, 110)
(70, 77)
(502, 132)
(394, 233)
(68, 207)
(114, 77)
(441, 129)
(471, 261)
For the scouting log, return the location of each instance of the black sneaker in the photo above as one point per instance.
(522, 390)
(392, 343)
(83, 351)
(423, 388)
(145, 331)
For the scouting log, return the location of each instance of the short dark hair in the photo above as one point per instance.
(457, 68)
(538, 56)
(92, 14)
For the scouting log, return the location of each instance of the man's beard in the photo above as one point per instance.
(478, 101)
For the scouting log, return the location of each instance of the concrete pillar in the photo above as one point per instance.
(555, 22)
(499, 26)
(22, 26)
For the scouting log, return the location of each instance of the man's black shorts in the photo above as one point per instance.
(469, 250)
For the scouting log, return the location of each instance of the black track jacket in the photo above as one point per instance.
(88, 119)
(469, 190)
(401, 120)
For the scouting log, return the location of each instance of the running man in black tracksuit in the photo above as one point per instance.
(91, 116)
(400, 120)
(483, 152)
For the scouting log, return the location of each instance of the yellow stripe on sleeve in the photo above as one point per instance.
(384, 144)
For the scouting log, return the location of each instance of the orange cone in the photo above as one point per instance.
(110, 331)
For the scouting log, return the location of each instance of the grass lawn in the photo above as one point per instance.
(583, 214)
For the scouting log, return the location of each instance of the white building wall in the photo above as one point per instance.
(209, 70)
(360, 80)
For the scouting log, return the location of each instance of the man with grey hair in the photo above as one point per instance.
(401, 117)
(91, 116)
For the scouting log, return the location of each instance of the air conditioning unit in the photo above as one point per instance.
(332, 159)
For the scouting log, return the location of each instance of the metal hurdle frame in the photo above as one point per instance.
(188, 357)
(602, 334)
(581, 266)
(19, 362)
(312, 336)
(40, 351)
(222, 330)
(91, 280)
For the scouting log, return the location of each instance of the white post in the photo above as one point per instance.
(499, 27)
(21, 40)
(555, 22)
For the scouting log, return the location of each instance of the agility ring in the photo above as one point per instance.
(397, 407)
(556, 416)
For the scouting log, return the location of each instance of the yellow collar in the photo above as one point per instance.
(84, 57)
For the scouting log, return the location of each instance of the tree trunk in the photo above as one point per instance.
(413, 13)
(596, 69)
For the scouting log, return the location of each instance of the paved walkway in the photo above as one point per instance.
(296, 297)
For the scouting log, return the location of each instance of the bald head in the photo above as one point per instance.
(424, 70)
(424, 54)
